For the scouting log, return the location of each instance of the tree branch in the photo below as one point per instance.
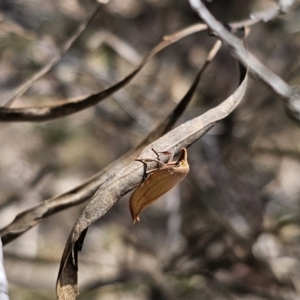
(289, 94)
(50, 112)
(55, 60)
(118, 184)
(31, 217)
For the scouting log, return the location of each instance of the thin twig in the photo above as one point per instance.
(31, 217)
(263, 16)
(55, 60)
(120, 183)
(50, 112)
(289, 94)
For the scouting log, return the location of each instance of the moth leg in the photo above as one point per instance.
(171, 156)
(160, 164)
(145, 175)
(157, 155)
(146, 172)
(155, 152)
(152, 171)
(164, 152)
(145, 160)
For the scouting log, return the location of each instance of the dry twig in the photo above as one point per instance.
(50, 112)
(29, 218)
(290, 95)
(120, 183)
(55, 60)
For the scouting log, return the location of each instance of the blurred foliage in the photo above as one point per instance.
(231, 230)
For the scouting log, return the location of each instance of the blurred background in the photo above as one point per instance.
(230, 230)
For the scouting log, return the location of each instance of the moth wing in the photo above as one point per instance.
(154, 187)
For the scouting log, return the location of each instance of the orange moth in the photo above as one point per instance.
(160, 180)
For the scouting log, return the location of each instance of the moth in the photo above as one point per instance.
(158, 181)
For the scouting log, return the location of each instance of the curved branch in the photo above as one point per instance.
(30, 218)
(50, 112)
(55, 60)
(118, 184)
(289, 94)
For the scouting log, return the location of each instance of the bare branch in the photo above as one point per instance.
(29, 218)
(50, 112)
(55, 60)
(263, 16)
(118, 184)
(289, 94)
